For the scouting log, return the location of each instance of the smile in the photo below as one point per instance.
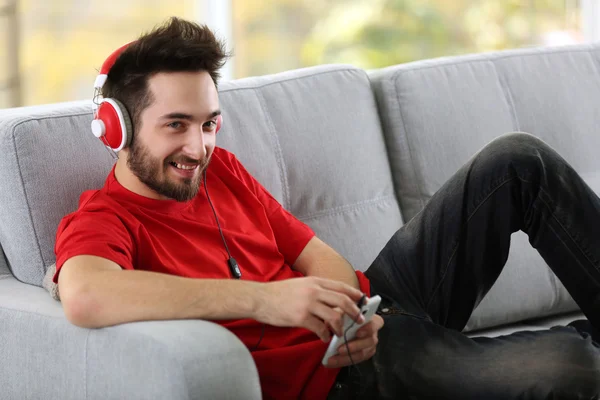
(185, 167)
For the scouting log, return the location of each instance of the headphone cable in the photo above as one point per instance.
(231, 262)
(233, 265)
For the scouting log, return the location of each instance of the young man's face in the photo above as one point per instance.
(176, 137)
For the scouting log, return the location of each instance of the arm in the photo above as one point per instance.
(318, 259)
(96, 292)
(100, 287)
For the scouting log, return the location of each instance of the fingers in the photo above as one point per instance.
(339, 361)
(366, 337)
(340, 287)
(360, 349)
(370, 328)
(327, 299)
(377, 321)
(331, 328)
(357, 345)
(317, 326)
(334, 299)
(330, 316)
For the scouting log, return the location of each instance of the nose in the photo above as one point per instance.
(195, 145)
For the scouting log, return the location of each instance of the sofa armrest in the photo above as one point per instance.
(46, 357)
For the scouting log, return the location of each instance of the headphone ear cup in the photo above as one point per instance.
(219, 123)
(128, 131)
(112, 124)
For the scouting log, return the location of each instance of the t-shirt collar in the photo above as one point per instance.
(123, 195)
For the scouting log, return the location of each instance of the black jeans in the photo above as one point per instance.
(437, 268)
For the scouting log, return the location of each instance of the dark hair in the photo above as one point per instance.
(175, 46)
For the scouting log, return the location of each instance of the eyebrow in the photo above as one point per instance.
(188, 117)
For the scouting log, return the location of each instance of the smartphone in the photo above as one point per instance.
(350, 327)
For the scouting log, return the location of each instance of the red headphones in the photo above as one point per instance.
(112, 123)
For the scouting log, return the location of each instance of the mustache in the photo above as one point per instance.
(187, 160)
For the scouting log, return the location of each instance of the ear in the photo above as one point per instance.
(219, 123)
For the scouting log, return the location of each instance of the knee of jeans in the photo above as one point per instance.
(518, 151)
(518, 140)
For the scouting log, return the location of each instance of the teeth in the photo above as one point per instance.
(184, 166)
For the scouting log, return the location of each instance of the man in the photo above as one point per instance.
(150, 245)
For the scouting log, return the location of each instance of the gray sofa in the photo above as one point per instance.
(353, 153)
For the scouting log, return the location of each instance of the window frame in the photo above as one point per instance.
(590, 20)
(11, 82)
(218, 16)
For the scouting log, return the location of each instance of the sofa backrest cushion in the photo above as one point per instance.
(4, 271)
(312, 137)
(48, 157)
(437, 113)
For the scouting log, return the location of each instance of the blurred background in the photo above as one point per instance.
(51, 50)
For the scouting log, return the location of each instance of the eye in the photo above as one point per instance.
(175, 124)
(211, 125)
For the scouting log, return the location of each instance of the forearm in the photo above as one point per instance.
(111, 297)
(335, 268)
(320, 260)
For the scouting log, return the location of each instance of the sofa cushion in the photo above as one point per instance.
(538, 324)
(311, 136)
(44, 356)
(437, 113)
(4, 271)
(48, 157)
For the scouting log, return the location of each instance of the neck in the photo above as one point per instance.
(129, 181)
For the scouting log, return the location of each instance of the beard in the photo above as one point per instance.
(154, 173)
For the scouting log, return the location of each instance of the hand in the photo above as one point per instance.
(309, 303)
(362, 347)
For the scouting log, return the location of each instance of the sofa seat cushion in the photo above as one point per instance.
(531, 325)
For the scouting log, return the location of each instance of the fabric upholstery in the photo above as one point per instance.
(313, 138)
(49, 157)
(437, 113)
(46, 357)
(352, 154)
(4, 271)
(283, 128)
(537, 324)
(48, 282)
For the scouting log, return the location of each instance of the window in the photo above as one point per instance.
(62, 43)
(275, 35)
(50, 50)
(9, 73)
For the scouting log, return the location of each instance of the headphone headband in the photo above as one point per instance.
(107, 65)
(111, 123)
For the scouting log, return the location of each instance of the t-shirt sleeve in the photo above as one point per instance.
(95, 233)
(291, 234)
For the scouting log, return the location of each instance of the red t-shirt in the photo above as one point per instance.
(182, 238)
